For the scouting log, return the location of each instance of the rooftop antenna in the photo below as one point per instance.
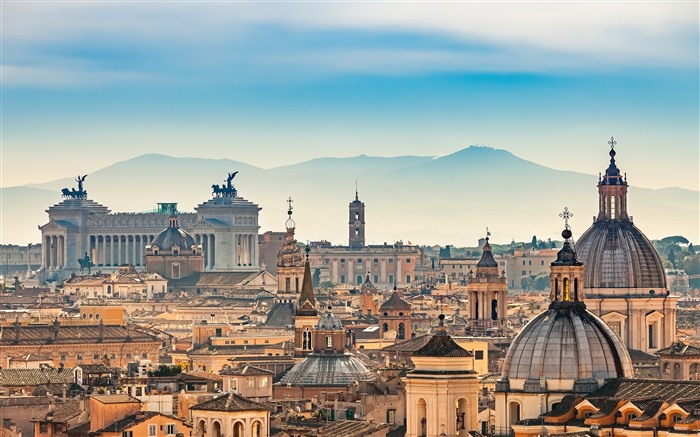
(356, 198)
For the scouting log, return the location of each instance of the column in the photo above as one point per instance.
(51, 252)
(212, 243)
(205, 250)
(133, 250)
(399, 278)
(63, 254)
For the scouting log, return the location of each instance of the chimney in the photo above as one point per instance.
(101, 331)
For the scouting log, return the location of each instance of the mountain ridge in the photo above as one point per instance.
(431, 200)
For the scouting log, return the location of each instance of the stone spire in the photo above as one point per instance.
(307, 300)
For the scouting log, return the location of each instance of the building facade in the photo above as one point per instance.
(226, 226)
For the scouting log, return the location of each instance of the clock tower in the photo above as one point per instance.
(356, 223)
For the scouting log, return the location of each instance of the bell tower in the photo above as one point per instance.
(612, 191)
(356, 223)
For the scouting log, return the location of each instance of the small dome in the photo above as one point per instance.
(567, 342)
(618, 255)
(487, 259)
(329, 322)
(395, 303)
(327, 371)
(173, 236)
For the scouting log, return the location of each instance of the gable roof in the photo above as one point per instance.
(230, 402)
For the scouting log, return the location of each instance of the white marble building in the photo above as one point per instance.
(226, 226)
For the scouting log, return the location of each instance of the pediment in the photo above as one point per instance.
(613, 316)
(52, 226)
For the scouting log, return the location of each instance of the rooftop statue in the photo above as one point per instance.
(80, 193)
(227, 190)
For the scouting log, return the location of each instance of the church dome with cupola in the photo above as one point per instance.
(173, 236)
(616, 253)
(566, 347)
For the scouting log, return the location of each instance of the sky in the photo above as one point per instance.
(87, 84)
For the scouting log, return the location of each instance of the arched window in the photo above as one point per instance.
(461, 414)
(385, 327)
(238, 429)
(202, 429)
(422, 411)
(359, 279)
(566, 290)
(514, 413)
(402, 331)
(216, 429)
(306, 340)
(257, 429)
(575, 288)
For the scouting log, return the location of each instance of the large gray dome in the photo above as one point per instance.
(173, 236)
(618, 255)
(567, 342)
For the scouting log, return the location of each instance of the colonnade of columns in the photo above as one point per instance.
(54, 252)
(246, 249)
(208, 243)
(115, 250)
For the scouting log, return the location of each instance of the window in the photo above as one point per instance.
(376, 278)
(359, 279)
(391, 417)
(127, 434)
(529, 263)
(79, 357)
(542, 262)
(144, 355)
(478, 355)
(342, 279)
(359, 260)
(391, 260)
(128, 355)
(523, 273)
(139, 391)
(329, 342)
(676, 418)
(408, 279)
(152, 431)
(408, 260)
(176, 271)
(391, 279)
(342, 260)
(63, 358)
(523, 262)
(171, 428)
(263, 382)
(96, 356)
(376, 260)
(250, 383)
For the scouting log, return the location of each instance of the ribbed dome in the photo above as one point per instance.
(173, 236)
(326, 371)
(618, 255)
(567, 342)
(329, 322)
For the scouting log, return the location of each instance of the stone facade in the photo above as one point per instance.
(225, 226)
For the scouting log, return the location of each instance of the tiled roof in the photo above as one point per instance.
(282, 314)
(411, 345)
(92, 369)
(202, 375)
(349, 428)
(649, 409)
(246, 370)
(106, 278)
(395, 302)
(35, 377)
(63, 413)
(29, 357)
(134, 419)
(564, 406)
(679, 348)
(442, 345)
(641, 357)
(114, 399)
(633, 389)
(213, 279)
(74, 334)
(230, 402)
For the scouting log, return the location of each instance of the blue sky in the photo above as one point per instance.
(281, 82)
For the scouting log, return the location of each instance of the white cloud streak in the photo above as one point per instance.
(518, 36)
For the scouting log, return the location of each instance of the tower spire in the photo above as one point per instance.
(307, 300)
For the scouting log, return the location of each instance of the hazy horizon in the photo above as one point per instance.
(88, 84)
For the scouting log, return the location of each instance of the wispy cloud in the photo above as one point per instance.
(512, 36)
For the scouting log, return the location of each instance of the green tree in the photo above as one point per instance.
(533, 244)
(672, 257)
(691, 249)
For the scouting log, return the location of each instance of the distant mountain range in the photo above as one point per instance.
(425, 200)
